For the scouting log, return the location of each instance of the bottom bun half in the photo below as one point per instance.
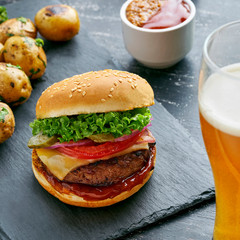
(76, 200)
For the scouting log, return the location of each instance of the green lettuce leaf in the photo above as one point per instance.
(84, 125)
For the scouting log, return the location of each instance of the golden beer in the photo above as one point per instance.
(219, 106)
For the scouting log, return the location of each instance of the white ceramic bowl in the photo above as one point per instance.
(158, 48)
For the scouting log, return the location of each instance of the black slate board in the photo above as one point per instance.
(181, 179)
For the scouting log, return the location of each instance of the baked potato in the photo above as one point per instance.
(57, 22)
(7, 122)
(27, 53)
(1, 50)
(17, 27)
(15, 87)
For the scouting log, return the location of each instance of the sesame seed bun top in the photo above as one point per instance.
(95, 92)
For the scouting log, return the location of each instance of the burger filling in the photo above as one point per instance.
(93, 149)
(60, 163)
(95, 193)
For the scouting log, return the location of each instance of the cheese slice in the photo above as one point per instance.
(60, 165)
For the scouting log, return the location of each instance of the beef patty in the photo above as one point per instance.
(107, 172)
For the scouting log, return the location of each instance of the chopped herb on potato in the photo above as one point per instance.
(3, 113)
(22, 19)
(3, 14)
(10, 65)
(9, 34)
(39, 42)
(32, 71)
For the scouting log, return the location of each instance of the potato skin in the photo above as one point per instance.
(7, 124)
(24, 52)
(15, 27)
(57, 22)
(15, 87)
(1, 50)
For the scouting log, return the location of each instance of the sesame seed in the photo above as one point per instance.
(40, 107)
(130, 80)
(51, 96)
(110, 95)
(111, 89)
(103, 100)
(84, 93)
(115, 84)
(120, 80)
(74, 89)
(84, 85)
(70, 95)
(135, 85)
(132, 86)
(89, 84)
(79, 90)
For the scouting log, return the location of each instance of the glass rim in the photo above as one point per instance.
(206, 56)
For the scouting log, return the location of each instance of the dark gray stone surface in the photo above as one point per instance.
(193, 224)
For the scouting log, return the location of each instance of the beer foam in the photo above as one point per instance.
(219, 100)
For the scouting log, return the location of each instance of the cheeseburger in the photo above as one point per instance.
(91, 143)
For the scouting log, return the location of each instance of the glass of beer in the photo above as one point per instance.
(219, 107)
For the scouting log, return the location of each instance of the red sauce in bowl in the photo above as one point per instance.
(91, 193)
(172, 13)
(157, 14)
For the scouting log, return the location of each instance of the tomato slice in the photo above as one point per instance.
(98, 151)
